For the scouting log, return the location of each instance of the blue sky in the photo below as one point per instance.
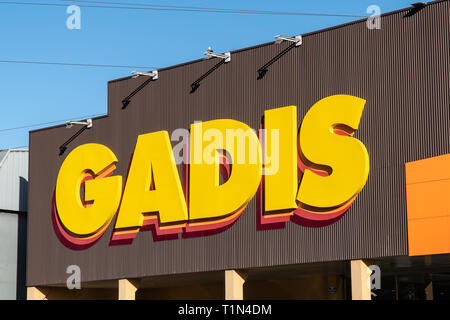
(31, 94)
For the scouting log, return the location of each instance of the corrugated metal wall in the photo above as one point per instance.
(13, 180)
(13, 204)
(401, 70)
(8, 255)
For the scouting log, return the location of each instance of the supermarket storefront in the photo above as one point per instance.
(251, 177)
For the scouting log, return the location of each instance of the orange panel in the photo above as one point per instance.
(431, 169)
(428, 205)
(428, 199)
(430, 236)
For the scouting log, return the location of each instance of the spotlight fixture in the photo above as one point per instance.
(152, 74)
(297, 39)
(225, 56)
(87, 123)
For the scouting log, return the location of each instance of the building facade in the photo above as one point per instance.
(360, 195)
(13, 231)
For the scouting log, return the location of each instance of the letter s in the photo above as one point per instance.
(326, 145)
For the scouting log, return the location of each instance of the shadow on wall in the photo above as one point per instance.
(416, 8)
(21, 290)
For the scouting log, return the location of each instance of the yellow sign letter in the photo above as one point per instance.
(79, 216)
(280, 144)
(325, 141)
(153, 185)
(208, 198)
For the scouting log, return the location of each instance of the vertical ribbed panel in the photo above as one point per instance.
(14, 180)
(402, 71)
(13, 204)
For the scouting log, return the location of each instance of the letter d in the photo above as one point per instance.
(213, 205)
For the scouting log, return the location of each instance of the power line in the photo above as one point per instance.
(221, 10)
(75, 64)
(138, 6)
(217, 10)
(134, 6)
(51, 122)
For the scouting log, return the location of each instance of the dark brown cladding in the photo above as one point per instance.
(402, 70)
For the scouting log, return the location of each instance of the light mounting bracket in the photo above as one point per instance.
(297, 39)
(226, 56)
(152, 74)
(87, 123)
